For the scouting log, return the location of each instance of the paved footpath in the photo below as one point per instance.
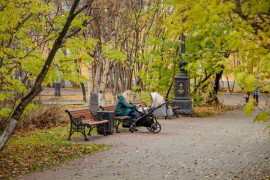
(229, 146)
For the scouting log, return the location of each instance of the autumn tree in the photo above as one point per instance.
(227, 31)
(27, 28)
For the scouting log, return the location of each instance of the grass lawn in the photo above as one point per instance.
(35, 150)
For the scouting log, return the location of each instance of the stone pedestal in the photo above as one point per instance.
(182, 94)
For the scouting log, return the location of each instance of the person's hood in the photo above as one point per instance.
(120, 97)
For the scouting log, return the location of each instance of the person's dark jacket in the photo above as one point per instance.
(122, 107)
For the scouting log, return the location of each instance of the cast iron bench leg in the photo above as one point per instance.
(84, 134)
(70, 132)
(117, 123)
(90, 129)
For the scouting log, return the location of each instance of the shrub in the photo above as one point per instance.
(45, 116)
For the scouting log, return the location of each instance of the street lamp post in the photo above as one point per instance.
(182, 85)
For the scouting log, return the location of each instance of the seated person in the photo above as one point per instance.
(125, 109)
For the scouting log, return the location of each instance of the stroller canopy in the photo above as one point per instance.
(156, 100)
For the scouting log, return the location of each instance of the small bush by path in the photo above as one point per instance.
(32, 151)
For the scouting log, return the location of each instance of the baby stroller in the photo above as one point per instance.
(146, 118)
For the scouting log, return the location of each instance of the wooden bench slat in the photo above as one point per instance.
(109, 109)
(80, 112)
(175, 107)
(78, 109)
(96, 122)
(85, 116)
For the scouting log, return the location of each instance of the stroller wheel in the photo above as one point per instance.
(155, 127)
(132, 127)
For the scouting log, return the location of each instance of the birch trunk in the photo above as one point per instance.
(97, 77)
(119, 79)
(104, 83)
(105, 77)
(111, 38)
(113, 88)
(90, 80)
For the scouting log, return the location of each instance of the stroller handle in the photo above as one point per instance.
(167, 100)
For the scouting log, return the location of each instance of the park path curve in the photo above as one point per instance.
(228, 146)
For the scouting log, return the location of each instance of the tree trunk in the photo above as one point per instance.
(36, 89)
(7, 132)
(90, 80)
(104, 77)
(174, 69)
(104, 83)
(83, 92)
(63, 83)
(97, 79)
(216, 87)
(228, 84)
(98, 69)
(116, 89)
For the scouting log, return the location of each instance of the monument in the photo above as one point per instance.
(182, 86)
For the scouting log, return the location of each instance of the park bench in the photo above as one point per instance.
(82, 118)
(119, 119)
(174, 110)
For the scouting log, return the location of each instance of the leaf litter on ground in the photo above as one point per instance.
(36, 150)
(211, 110)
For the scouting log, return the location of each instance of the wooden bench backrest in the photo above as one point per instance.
(76, 113)
(112, 107)
(141, 102)
(109, 108)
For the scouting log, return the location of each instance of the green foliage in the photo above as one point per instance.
(113, 54)
(4, 112)
(30, 107)
(27, 32)
(20, 20)
(160, 62)
(70, 58)
(145, 97)
(264, 117)
(215, 30)
(196, 99)
(249, 107)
